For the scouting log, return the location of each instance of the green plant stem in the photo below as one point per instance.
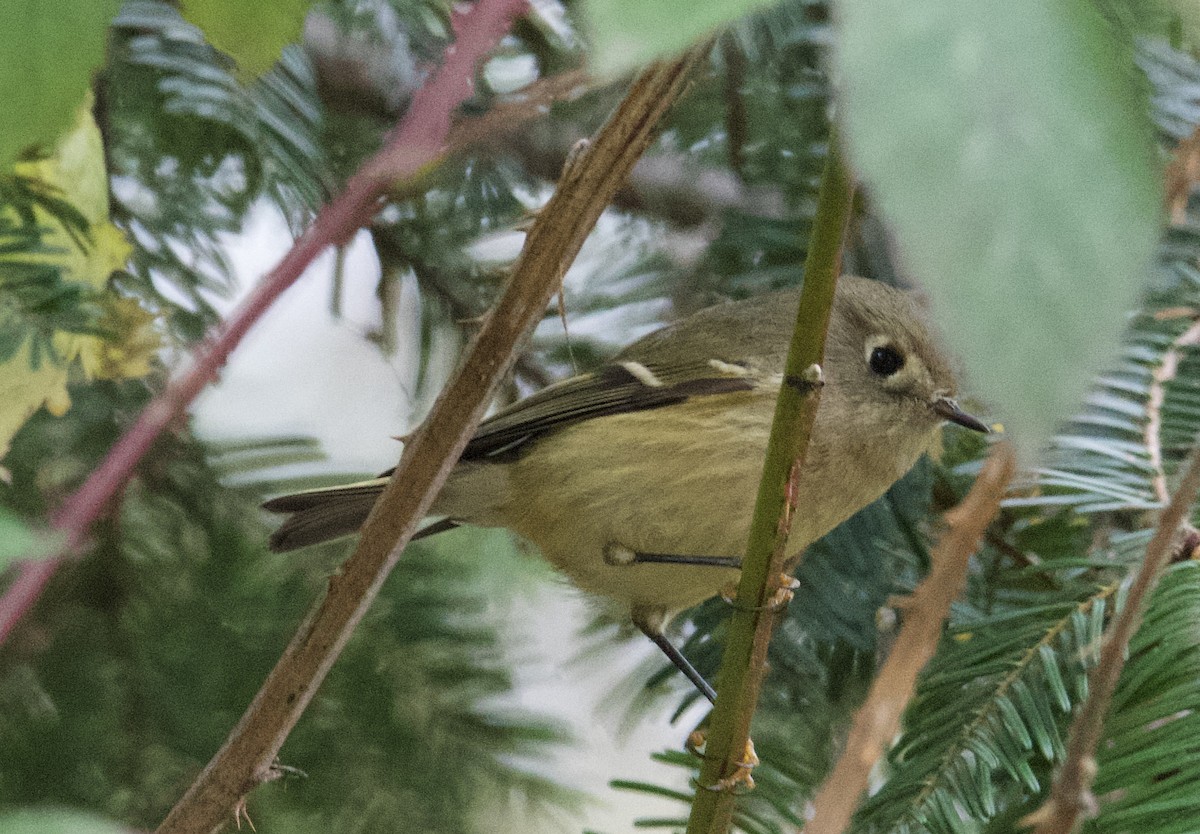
(744, 661)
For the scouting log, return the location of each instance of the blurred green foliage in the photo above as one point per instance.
(60, 46)
(131, 673)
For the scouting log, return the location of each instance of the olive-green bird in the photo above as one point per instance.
(638, 480)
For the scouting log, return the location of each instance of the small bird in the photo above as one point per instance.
(638, 480)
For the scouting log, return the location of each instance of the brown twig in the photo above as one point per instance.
(736, 117)
(1181, 176)
(1164, 373)
(1071, 795)
(667, 185)
(551, 245)
(876, 722)
(507, 117)
(416, 143)
(515, 110)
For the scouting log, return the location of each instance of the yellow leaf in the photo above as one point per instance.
(24, 390)
(77, 171)
(129, 354)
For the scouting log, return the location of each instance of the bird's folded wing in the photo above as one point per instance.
(616, 388)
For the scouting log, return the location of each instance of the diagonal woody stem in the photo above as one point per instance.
(878, 719)
(247, 757)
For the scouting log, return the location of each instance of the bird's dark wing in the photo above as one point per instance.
(616, 388)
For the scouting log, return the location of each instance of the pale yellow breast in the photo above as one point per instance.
(678, 480)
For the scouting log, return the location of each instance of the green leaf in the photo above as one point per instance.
(51, 50)
(627, 33)
(1010, 149)
(253, 34)
(17, 541)
(56, 821)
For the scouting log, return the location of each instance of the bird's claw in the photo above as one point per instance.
(785, 591)
(240, 811)
(740, 781)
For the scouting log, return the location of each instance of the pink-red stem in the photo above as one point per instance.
(416, 142)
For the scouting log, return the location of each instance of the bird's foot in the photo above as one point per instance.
(785, 591)
(740, 780)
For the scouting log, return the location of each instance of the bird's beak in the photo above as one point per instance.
(948, 409)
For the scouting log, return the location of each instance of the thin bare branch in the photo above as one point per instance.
(508, 117)
(736, 118)
(664, 184)
(876, 722)
(1181, 176)
(515, 110)
(416, 143)
(554, 240)
(1071, 795)
(1160, 376)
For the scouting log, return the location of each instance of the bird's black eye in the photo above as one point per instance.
(886, 360)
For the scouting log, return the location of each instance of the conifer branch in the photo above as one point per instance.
(1071, 795)
(1156, 397)
(247, 757)
(1179, 179)
(416, 143)
(743, 663)
(876, 722)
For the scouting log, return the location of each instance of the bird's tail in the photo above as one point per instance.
(320, 515)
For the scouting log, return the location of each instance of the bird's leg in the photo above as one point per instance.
(618, 555)
(651, 621)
